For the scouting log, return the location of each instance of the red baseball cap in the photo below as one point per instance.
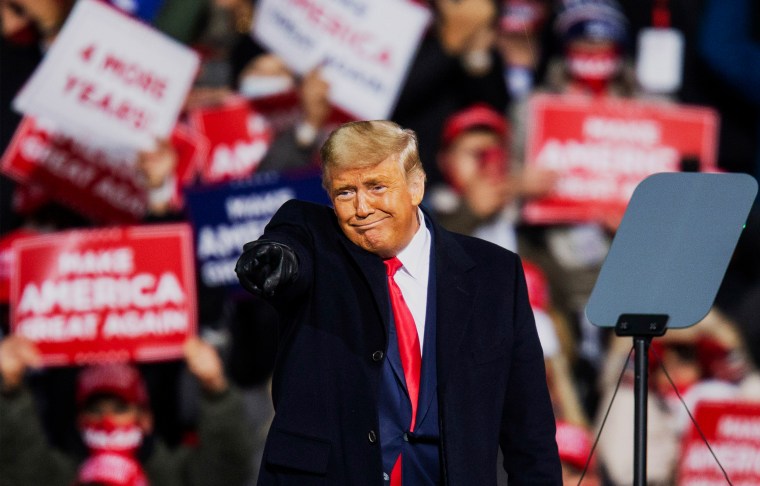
(111, 470)
(478, 116)
(120, 379)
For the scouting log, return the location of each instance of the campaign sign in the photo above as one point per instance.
(192, 149)
(101, 184)
(7, 259)
(238, 140)
(110, 294)
(733, 432)
(110, 78)
(28, 198)
(98, 183)
(225, 217)
(602, 149)
(363, 47)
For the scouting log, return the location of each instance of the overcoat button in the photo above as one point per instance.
(372, 437)
(377, 356)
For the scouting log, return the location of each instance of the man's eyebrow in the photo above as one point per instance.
(374, 180)
(343, 187)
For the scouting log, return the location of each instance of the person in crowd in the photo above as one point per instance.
(28, 29)
(594, 38)
(703, 363)
(557, 344)
(456, 65)
(574, 443)
(114, 417)
(520, 39)
(156, 172)
(297, 146)
(726, 40)
(590, 59)
(183, 20)
(296, 105)
(108, 469)
(409, 354)
(44, 17)
(707, 361)
(591, 63)
(558, 347)
(480, 193)
(729, 46)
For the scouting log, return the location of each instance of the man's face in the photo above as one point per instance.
(111, 424)
(116, 411)
(377, 206)
(471, 155)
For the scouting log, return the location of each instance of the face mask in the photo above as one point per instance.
(493, 162)
(255, 86)
(105, 435)
(594, 69)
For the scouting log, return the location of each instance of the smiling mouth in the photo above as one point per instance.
(365, 226)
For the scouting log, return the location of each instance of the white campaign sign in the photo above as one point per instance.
(110, 77)
(363, 47)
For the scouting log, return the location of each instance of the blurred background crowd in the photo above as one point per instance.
(202, 420)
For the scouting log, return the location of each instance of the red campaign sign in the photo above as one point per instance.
(109, 294)
(90, 181)
(238, 140)
(192, 150)
(83, 178)
(28, 198)
(7, 259)
(603, 148)
(733, 431)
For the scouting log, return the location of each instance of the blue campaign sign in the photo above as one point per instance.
(227, 216)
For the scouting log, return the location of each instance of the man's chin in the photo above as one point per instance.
(371, 245)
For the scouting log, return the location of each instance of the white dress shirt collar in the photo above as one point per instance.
(416, 256)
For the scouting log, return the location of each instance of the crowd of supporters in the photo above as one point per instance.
(466, 93)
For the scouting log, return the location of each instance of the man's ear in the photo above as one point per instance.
(417, 186)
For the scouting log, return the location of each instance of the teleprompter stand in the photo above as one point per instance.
(642, 327)
(665, 265)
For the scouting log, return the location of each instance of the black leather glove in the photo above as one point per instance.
(266, 267)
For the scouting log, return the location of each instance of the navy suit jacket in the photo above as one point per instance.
(334, 339)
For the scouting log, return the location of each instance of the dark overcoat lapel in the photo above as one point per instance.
(456, 291)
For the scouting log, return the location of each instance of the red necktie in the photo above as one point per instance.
(409, 349)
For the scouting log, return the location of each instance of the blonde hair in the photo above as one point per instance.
(361, 144)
